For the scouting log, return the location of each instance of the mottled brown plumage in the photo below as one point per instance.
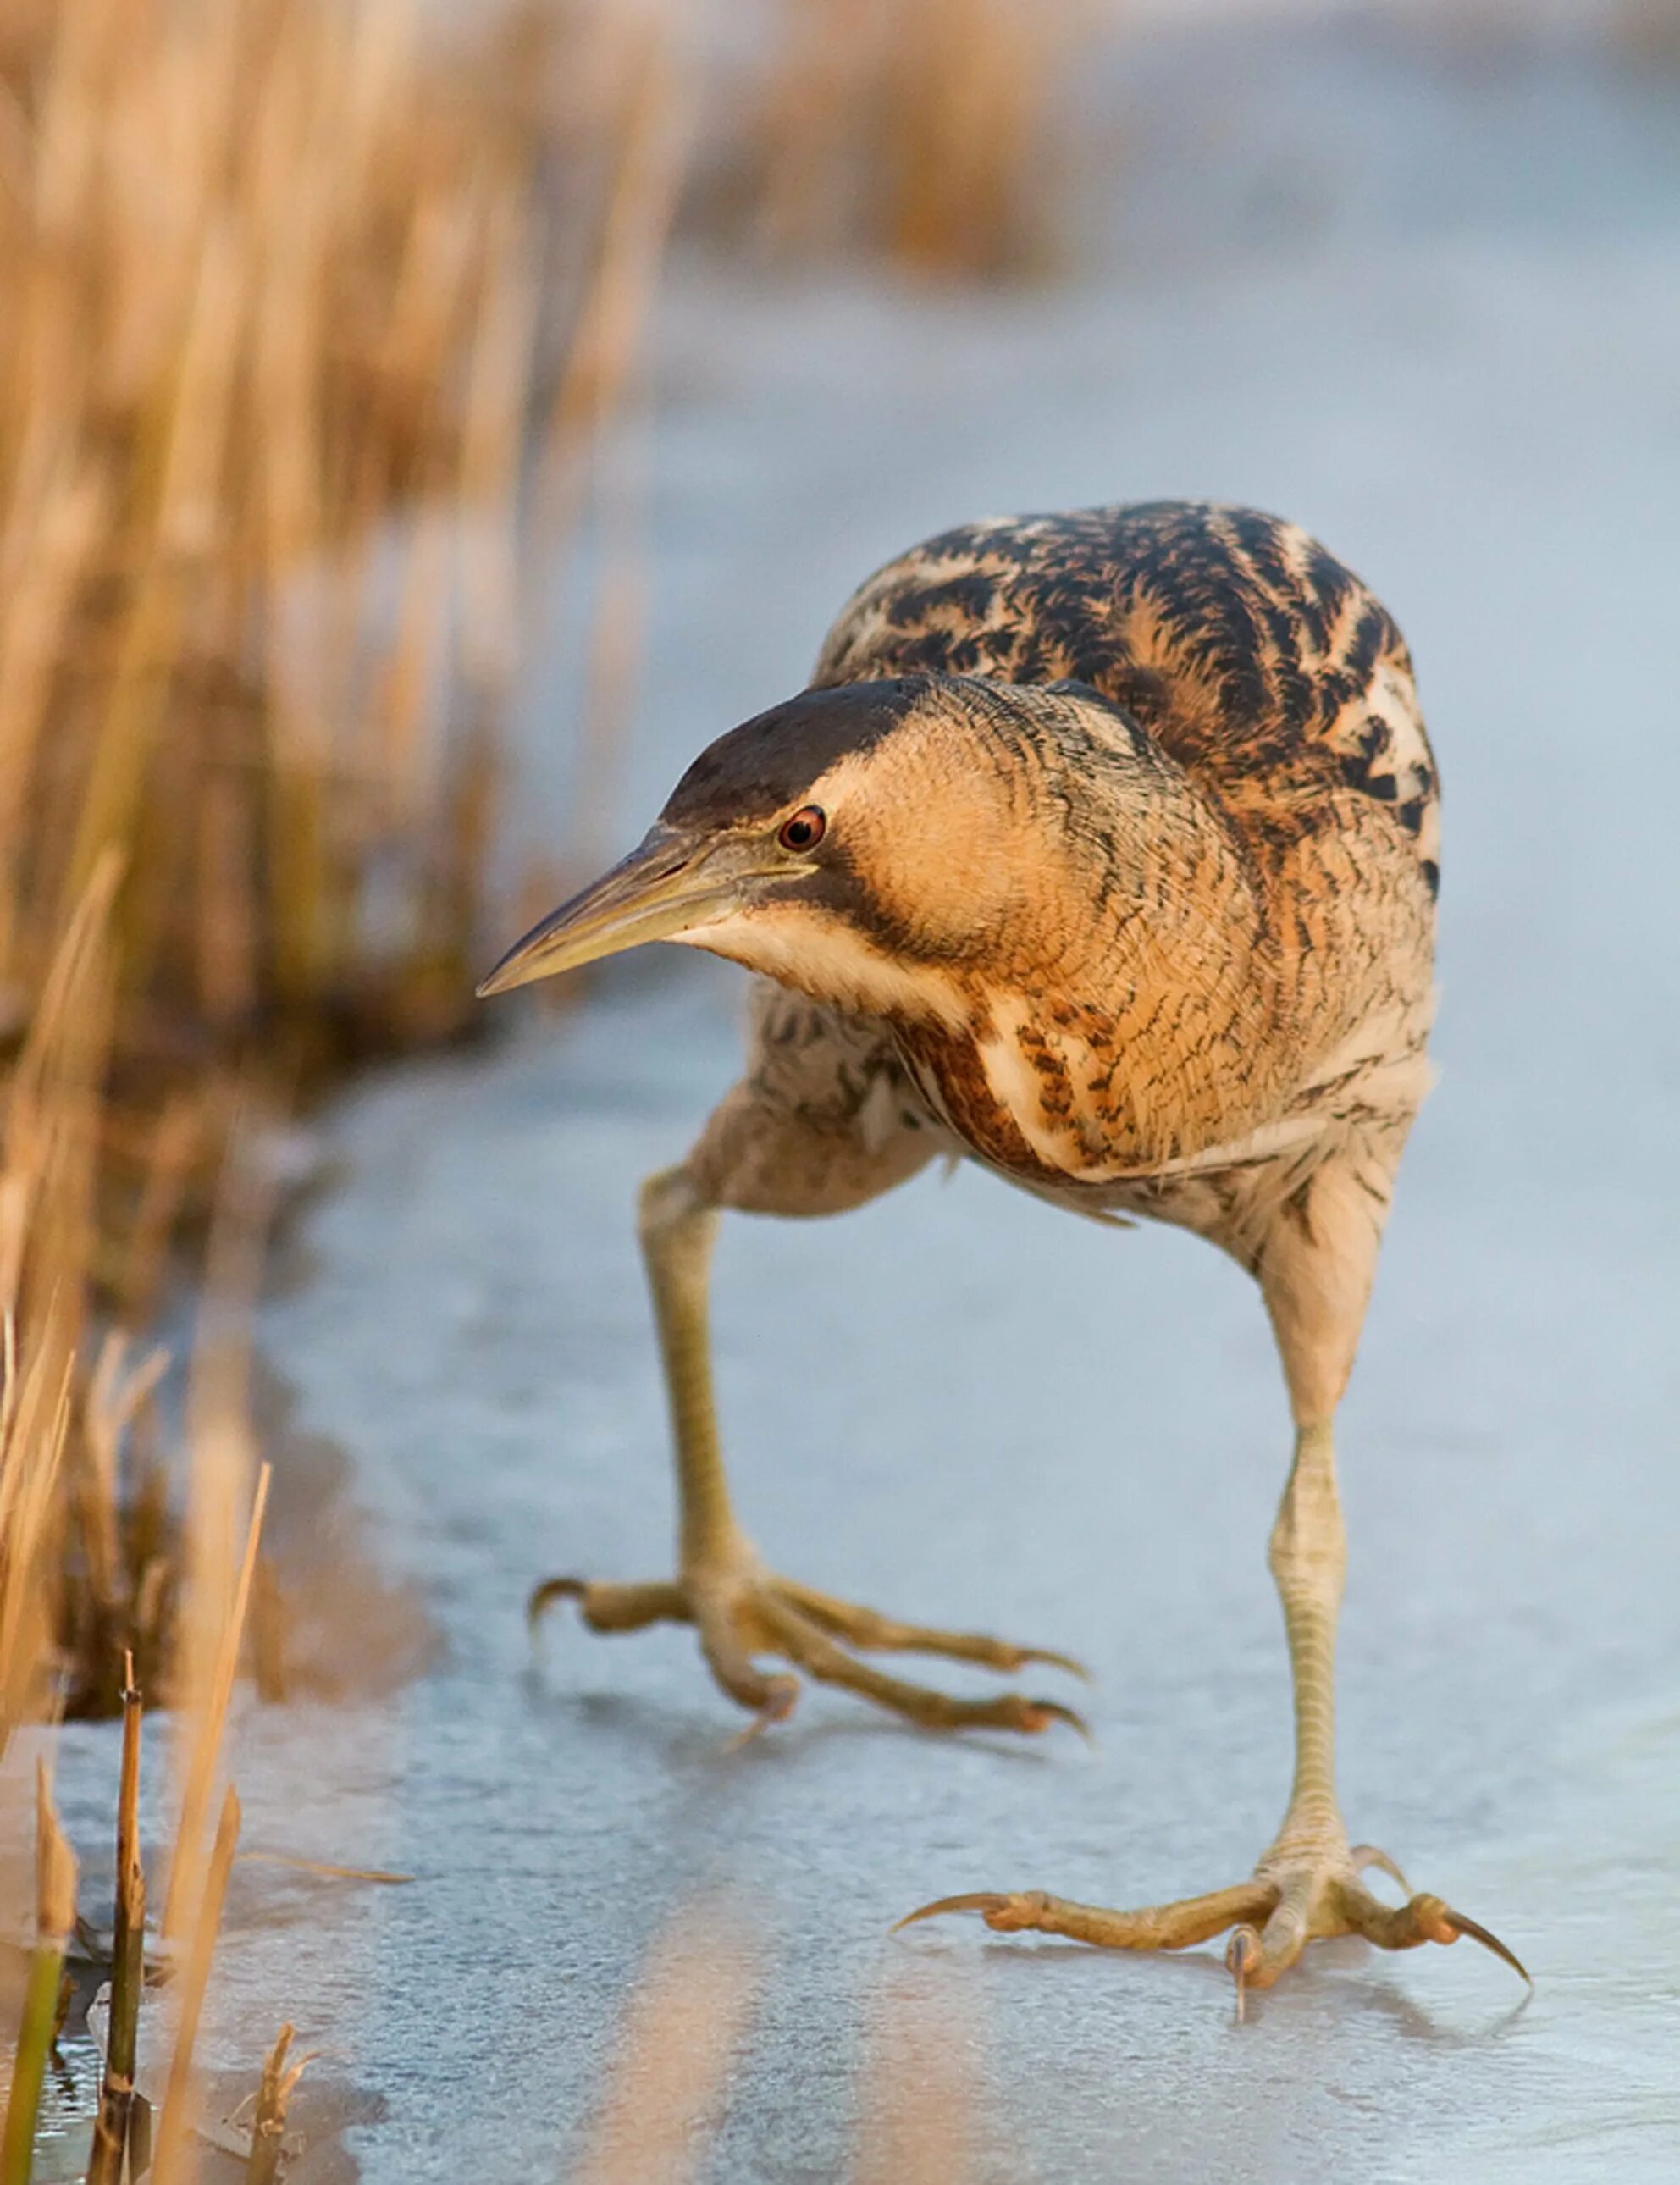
(1103, 850)
(1215, 969)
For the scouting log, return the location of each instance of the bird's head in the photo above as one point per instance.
(861, 843)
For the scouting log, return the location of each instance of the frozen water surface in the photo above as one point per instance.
(1436, 317)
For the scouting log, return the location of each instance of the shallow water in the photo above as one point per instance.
(964, 1407)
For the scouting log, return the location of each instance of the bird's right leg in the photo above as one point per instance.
(764, 1153)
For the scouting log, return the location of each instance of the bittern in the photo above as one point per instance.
(1102, 850)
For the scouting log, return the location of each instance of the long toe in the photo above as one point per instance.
(876, 1634)
(810, 1648)
(1176, 1927)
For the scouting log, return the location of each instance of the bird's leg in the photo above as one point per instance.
(1309, 1558)
(1308, 1883)
(739, 1609)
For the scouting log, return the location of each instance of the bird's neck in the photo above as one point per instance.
(1134, 1018)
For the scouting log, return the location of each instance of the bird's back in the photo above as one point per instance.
(1256, 658)
(1272, 675)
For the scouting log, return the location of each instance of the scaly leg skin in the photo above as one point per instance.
(1308, 1883)
(738, 1608)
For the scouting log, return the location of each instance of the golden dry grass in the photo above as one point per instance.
(87, 1570)
(47, 1136)
(299, 299)
(68, 1560)
(272, 273)
(922, 132)
(91, 1564)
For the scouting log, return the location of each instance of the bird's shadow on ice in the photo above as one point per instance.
(1316, 1992)
(696, 1737)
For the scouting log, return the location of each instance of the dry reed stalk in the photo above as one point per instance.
(323, 1867)
(218, 1576)
(117, 1526)
(173, 2162)
(274, 2098)
(116, 1394)
(968, 107)
(686, 2019)
(919, 130)
(268, 1634)
(165, 1165)
(273, 273)
(33, 1426)
(46, 1227)
(213, 1630)
(825, 83)
(51, 1113)
(128, 1958)
(54, 1918)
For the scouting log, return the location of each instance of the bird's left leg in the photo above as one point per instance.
(1316, 1270)
(820, 1124)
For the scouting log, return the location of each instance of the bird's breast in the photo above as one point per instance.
(1050, 1093)
(1097, 1106)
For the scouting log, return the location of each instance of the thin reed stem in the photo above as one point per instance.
(128, 1957)
(170, 2160)
(38, 2026)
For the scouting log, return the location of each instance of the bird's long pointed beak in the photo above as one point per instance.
(665, 887)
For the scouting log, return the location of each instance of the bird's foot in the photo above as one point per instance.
(1299, 1894)
(740, 1610)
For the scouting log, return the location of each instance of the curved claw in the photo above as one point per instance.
(1477, 1933)
(1053, 1660)
(985, 1901)
(1041, 1713)
(541, 1598)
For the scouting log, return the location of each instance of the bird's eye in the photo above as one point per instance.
(805, 831)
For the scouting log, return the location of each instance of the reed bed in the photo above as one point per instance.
(69, 1560)
(301, 297)
(52, 1467)
(273, 273)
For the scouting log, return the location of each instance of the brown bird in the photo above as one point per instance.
(1102, 850)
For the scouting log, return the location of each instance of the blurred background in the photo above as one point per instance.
(422, 428)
